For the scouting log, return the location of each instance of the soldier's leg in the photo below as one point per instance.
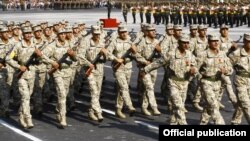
(243, 91)
(176, 91)
(4, 96)
(148, 82)
(26, 89)
(141, 17)
(70, 97)
(211, 90)
(61, 84)
(38, 90)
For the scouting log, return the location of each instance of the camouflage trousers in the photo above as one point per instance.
(13, 87)
(40, 79)
(4, 93)
(26, 87)
(70, 96)
(62, 87)
(227, 85)
(95, 86)
(177, 91)
(165, 89)
(148, 96)
(243, 93)
(123, 80)
(211, 91)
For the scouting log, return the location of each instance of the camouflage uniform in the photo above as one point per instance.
(240, 61)
(179, 66)
(5, 49)
(23, 53)
(145, 48)
(62, 76)
(209, 66)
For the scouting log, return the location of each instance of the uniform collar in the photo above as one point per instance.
(224, 40)
(212, 55)
(178, 53)
(25, 45)
(58, 44)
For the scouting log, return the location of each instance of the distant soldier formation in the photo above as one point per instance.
(213, 14)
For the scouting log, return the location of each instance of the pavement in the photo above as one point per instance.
(138, 128)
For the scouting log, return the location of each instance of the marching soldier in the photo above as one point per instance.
(239, 59)
(134, 10)
(125, 12)
(210, 80)
(94, 48)
(148, 14)
(146, 48)
(6, 46)
(121, 48)
(141, 10)
(24, 51)
(60, 53)
(182, 65)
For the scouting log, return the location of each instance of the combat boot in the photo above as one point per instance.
(29, 123)
(92, 116)
(63, 123)
(146, 112)
(100, 117)
(197, 107)
(22, 121)
(156, 112)
(131, 111)
(119, 113)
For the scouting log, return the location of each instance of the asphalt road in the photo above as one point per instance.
(138, 128)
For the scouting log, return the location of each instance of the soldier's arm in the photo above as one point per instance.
(164, 60)
(9, 58)
(47, 54)
(138, 56)
(228, 66)
(110, 49)
(81, 57)
(234, 56)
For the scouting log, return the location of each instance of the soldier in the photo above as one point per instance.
(61, 51)
(24, 50)
(182, 65)
(40, 73)
(148, 14)
(95, 47)
(228, 46)
(125, 12)
(147, 48)
(134, 9)
(120, 47)
(109, 7)
(6, 46)
(141, 10)
(239, 59)
(212, 63)
(185, 16)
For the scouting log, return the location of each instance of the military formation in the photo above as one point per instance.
(41, 60)
(213, 14)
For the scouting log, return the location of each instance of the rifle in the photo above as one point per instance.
(97, 58)
(60, 61)
(117, 65)
(31, 60)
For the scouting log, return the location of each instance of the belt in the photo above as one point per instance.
(243, 74)
(178, 78)
(64, 67)
(211, 78)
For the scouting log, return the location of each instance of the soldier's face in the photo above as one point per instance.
(16, 32)
(202, 33)
(123, 35)
(27, 36)
(47, 31)
(75, 30)
(224, 32)
(62, 37)
(177, 33)
(69, 35)
(96, 37)
(152, 33)
(193, 32)
(184, 45)
(38, 34)
(170, 31)
(247, 44)
(213, 44)
(5, 35)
